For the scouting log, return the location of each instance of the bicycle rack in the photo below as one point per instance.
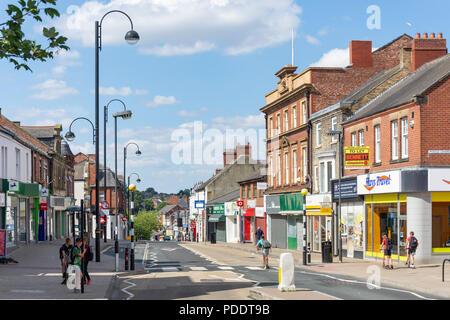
(443, 265)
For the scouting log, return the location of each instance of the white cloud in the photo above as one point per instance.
(52, 89)
(44, 117)
(248, 122)
(162, 100)
(180, 27)
(59, 71)
(191, 113)
(69, 58)
(323, 31)
(123, 92)
(312, 40)
(333, 58)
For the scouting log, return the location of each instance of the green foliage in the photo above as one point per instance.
(15, 47)
(145, 223)
(186, 193)
(161, 205)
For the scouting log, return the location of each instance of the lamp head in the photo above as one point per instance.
(138, 153)
(70, 136)
(125, 115)
(132, 187)
(132, 37)
(138, 180)
(304, 192)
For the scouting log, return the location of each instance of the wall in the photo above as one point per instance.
(11, 145)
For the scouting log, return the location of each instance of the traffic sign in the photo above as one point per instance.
(43, 206)
(104, 205)
(240, 203)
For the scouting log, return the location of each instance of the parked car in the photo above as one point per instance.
(167, 238)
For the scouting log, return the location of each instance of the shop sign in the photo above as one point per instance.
(231, 209)
(383, 182)
(219, 209)
(14, 186)
(251, 203)
(273, 204)
(356, 157)
(438, 179)
(44, 192)
(259, 212)
(199, 204)
(349, 189)
(325, 211)
(291, 203)
(2, 243)
(2, 199)
(240, 203)
(43, 206)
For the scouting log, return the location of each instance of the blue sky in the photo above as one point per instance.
(198, 60)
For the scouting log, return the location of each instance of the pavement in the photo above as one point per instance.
(425, 279)
(37, 275)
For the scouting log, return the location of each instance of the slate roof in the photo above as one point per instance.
(255, 177)
(110, 183)
(168, 208)
(404, 91)
(65, 149)
(233, 195)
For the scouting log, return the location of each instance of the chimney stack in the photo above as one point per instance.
(361, 54)
(427, 49)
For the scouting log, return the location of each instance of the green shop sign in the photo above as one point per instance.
(292, 203)
(20, 188)
(219, 209)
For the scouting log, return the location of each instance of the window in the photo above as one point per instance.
(304, 112)
(361, 137)
(243, 192)
(334, 128)
(316, 178)
(286, 168)
(45, 173)
(270, 127)
(354, 139)
(294, 117)
(326, 174)
(294, 165)
(304, 164)
(322, 177)
(405, 137)
(279, 169)
(27, 156)
(278, 124)
(286, 121)
(5, 162)
(318, 134)
(269, 165)
(255, 189)
(394, 133)
(249, 192)
(17, 164)
(377, 144)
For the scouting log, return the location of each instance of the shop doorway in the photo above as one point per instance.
(247, 227)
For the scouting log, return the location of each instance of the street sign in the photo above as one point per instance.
(199, 204)
(102, 219)
(13, 186)
(104, 211)
(104, 205)
(240, 203)
(43, 206)
(44, 192)
(357, 157)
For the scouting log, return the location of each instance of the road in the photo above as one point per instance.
(174, 272)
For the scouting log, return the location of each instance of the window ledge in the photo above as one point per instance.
(399, 160)
(376, 164)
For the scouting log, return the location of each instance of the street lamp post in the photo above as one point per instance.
(138, 153)
(305, 228)
(126, 114)
(132, 37)
(339, 134)
(132, 188)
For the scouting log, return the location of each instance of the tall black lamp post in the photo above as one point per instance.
(138, 153)
(132, 37)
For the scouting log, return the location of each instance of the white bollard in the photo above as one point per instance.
(286, 277)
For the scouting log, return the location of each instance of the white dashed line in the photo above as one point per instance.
(225, 268)
(198, 268)
(254, 268)
(169, 269)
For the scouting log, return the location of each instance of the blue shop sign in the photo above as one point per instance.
(349, 189)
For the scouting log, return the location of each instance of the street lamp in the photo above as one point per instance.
(132, 188)
(131, 37)
(125, 115)
(304, 192)
(339, 134)
(138, 153)
(70, 135)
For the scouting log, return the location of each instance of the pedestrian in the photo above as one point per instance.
(77, 256)
(265, 251)
(386, 246)
(259, 233)
(412, 244)
(65, 253)
(88, 256)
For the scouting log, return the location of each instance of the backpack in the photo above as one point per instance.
(266, 244)
(388, 244)
(414, 243)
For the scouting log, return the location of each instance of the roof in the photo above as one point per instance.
(41, 132)
(255, 177)
(168, 208)
(405, 91)
(110, 181)
(233, 195)
(65, 149)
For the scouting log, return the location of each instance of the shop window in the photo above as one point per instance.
(441, 226)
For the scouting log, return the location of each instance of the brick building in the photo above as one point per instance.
(288, 110)
(407, 187)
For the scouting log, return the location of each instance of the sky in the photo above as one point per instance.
(200, 71)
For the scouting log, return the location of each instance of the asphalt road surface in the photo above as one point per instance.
(167, 266)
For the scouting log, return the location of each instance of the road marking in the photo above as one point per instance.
(169, 269)
(173, 249)
(254, 268)
(225, 268)
(366, 283)
(106, 249)
(198, 268)
(144, 258)
(27, 291)
(131, 284)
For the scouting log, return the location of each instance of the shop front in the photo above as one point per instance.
(352, 216)
(319, 220)
(276, 223)
(248, 222)
(232, 226)
(216, 222)
(291, 205)
(58, 216)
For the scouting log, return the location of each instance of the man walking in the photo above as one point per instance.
(87, 256)
(258, 234)
(64, 255)
(412, 244)
(78, 254)
(386, 245)
(265, 251)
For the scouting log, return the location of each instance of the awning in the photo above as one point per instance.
(216, 218)
(249, 212)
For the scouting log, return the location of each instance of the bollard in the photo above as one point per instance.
(126, 259)
(286, 277)
(309, 252)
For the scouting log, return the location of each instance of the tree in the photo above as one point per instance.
(161, 205)
(151, 192)
(149, 205)
(186, 193)
(15, 47)
(145, 223)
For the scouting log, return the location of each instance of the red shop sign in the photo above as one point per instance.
(43, 206)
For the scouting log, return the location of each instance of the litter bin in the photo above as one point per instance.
(213, 237)
(327, 254)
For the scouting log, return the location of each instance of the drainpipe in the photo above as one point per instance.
(309, 144)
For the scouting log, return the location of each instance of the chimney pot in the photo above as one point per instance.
(432, 35)
(425, 35)
(417, 35)
(439, 35)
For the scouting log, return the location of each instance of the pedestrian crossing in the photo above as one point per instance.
(159, 268)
